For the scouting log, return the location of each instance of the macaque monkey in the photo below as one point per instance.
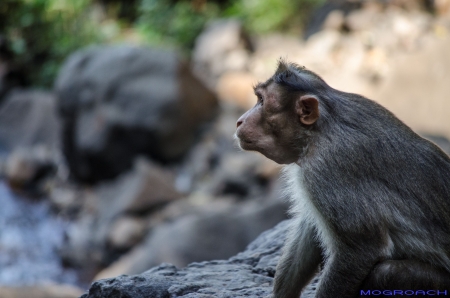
(371, 198)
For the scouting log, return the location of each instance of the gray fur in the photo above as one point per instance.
(366, 189)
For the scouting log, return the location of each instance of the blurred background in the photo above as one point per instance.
(117, 120)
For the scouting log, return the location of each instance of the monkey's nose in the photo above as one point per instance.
(238, 123)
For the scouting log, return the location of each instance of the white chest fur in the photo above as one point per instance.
(303, 208)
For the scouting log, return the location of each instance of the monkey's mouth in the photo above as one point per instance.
(246, 144)
(245, 141)
(242, 140)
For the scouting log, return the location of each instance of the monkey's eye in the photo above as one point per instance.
(260, 99)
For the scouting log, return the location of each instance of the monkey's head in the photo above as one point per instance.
(285, 114)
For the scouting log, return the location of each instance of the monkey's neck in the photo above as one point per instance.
(305, 145)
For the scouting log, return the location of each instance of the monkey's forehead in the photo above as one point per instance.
(297, 78)
(262, 85)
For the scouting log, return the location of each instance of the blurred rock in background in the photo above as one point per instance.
(30, 131)
(223, 46)
(210, 206)
(120, 102)
(28, 118)
(205, 235)
(26, 169)
(110, 208)
(395, 52)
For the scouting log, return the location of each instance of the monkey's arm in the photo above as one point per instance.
(300, 260)
(345, 270)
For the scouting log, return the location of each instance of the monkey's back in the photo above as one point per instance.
(371, 176)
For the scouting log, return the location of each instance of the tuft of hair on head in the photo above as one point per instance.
(295, 77)
(283, 66)
(288, 67)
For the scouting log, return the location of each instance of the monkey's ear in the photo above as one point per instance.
(307, 107)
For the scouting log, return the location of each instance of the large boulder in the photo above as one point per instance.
(249, 274)
(119, 102)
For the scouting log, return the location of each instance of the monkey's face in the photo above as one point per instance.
(271, 126)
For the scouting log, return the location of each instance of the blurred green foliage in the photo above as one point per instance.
(175, 22)
(180, 21)
(42, 33)
(262, 16)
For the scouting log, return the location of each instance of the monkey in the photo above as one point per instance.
(370, 197)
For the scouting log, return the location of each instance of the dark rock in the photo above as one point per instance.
(146, 187)
(248, 274)
(200, 237)
(29, 118)
(88, 242)
(120, 102)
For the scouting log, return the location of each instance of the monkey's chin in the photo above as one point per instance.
(251, 146)
(246, 145)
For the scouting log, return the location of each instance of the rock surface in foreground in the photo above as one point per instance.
(249, 274)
